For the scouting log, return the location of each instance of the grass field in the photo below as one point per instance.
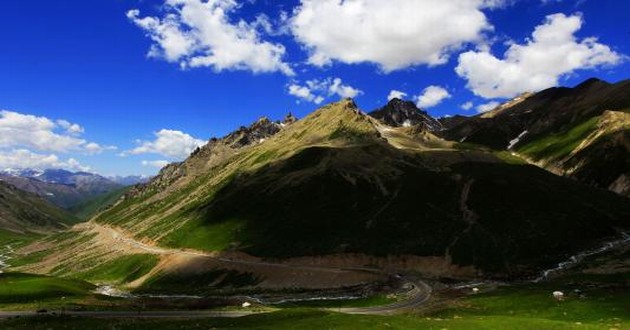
(605, 305)
(27, 288)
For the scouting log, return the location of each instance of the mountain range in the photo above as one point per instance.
(461, 193)
(64, 188)
(394, 182)
(581, 133)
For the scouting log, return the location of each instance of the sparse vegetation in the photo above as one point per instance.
(89, 208)
(123, 269)
(556, 146)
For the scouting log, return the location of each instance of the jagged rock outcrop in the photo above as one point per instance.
(400, 113)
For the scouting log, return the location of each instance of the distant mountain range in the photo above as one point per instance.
(64, 188)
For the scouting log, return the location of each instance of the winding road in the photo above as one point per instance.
(417, 294)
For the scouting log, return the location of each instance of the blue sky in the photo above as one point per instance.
(122, 86)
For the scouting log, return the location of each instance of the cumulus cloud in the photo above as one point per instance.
(487, 106)
(23, 158)
(394, 94)
(155, 163)
(19, 130)
(202, 33)
(467, 106)
(551, 53)
(317, 90)
(170, 143)
(304, 92)
(394, 34)
(70, 127)
(432, 96)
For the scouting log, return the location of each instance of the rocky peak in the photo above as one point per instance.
(399, 113)
(592, 83)
(289, 119)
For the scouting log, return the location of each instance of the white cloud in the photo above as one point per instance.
(201, 33)
(487, 106)
(394, 34)
(304, 92)
(394, 94)
(344, 91)
(70, 127)
(155, 163)
(19, 130)
(467, 106)
(169, 143)
(432, 96)
(22, 158)
(317, 91)
(552, 53)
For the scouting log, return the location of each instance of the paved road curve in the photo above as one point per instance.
(418, 294)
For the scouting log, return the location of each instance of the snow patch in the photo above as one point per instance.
(517, 140)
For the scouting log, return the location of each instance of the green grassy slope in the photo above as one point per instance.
(559, 145)
(89, 208)
(25, 212)
(20, 288)
(330, 184)
(124, 269)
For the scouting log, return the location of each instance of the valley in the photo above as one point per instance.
(336, 218)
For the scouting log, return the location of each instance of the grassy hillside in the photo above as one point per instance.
(558, 145)
(25, 212)
(331, 184)
(595, 151)
(89, 208)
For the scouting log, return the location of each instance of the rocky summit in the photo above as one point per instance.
(400, 113)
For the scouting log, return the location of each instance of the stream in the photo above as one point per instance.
(578, 258)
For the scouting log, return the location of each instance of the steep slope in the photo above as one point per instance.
(63, 188)
(23, 212)
(596, 152)
(93, 206)
(548, 111)
(331, 183)
(548, 126)
(216, 151)
(399, 113)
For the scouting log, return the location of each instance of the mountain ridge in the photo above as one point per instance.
(332, 183)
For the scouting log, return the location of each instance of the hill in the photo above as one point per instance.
(334, 183)
(580, 132)
(22, 212)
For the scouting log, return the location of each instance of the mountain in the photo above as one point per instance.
(129, 180)
(22, 212)
(399, 113)
(62, 188)
(342, 182)
(580, 132)
(217, 150)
